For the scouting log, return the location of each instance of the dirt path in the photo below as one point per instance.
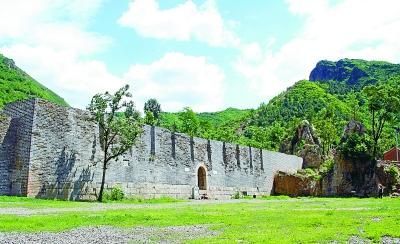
(94, 207)
(106, 234)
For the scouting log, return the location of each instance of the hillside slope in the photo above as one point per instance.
(334, 90)
(15, 85)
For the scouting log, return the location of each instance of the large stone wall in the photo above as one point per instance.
(65, 157)
(18, 139)
(7, 142)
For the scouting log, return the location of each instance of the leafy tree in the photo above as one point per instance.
(149, 118)
(190, 122)
(206, 130)
(383, 104)
(356, 146)
(327, 133)
(154, 107)
(354, 105)
(326, 128)
(118, 131)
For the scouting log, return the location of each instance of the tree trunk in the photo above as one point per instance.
(103, 179)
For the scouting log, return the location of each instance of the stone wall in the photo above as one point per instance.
(19, 136)
(65, 161)
(7, 142)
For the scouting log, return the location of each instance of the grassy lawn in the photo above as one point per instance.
(299, 220)
(30, 203)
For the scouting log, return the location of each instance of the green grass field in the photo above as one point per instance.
(273, 220)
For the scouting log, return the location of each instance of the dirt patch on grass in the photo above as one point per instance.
(107, 234)
(384, 240)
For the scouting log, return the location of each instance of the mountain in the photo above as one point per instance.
(352, 74)
(15, 85)
(329, 99)
(225, 116)
(303, 100)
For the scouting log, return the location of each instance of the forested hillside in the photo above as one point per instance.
(335, 93)
(333, 96)
(15, 85)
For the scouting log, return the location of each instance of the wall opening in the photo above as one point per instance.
(202, 178)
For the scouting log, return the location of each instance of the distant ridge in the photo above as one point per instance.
(353, 73)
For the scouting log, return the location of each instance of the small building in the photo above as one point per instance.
(390, 155)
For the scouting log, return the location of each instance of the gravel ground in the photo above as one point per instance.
(106, 234)
(384, 240)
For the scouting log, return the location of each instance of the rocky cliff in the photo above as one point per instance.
(353, 74)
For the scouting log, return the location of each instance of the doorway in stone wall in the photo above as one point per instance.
(202, 178)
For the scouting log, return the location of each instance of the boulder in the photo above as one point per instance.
(295, 185)
(306, 144)
(352, 127)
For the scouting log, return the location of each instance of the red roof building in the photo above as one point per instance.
(391, 155)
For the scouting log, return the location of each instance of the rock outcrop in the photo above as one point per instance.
(342, 70)
(306, 144)
(353, 127)
(353, 74)
(387, 174)
(354, 172)
(295, 185)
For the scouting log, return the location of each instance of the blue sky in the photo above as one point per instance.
(206, 54)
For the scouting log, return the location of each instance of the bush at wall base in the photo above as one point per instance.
(114, 194)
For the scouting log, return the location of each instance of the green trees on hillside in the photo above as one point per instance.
(326, 129)
(190, 123)
(384, 105)
(16, 85)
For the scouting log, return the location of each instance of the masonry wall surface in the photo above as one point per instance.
(7, 143)
(19, 136)
(65, 156)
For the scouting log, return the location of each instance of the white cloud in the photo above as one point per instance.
(365, 29)
(184, 22)
(75, 79)
(20, 16)
(48, 39)
(177, 81)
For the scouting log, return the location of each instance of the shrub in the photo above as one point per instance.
(394, 172)
(326, 167)
(115, 194)
(309, 173)
(237, 195)
(356, 146)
